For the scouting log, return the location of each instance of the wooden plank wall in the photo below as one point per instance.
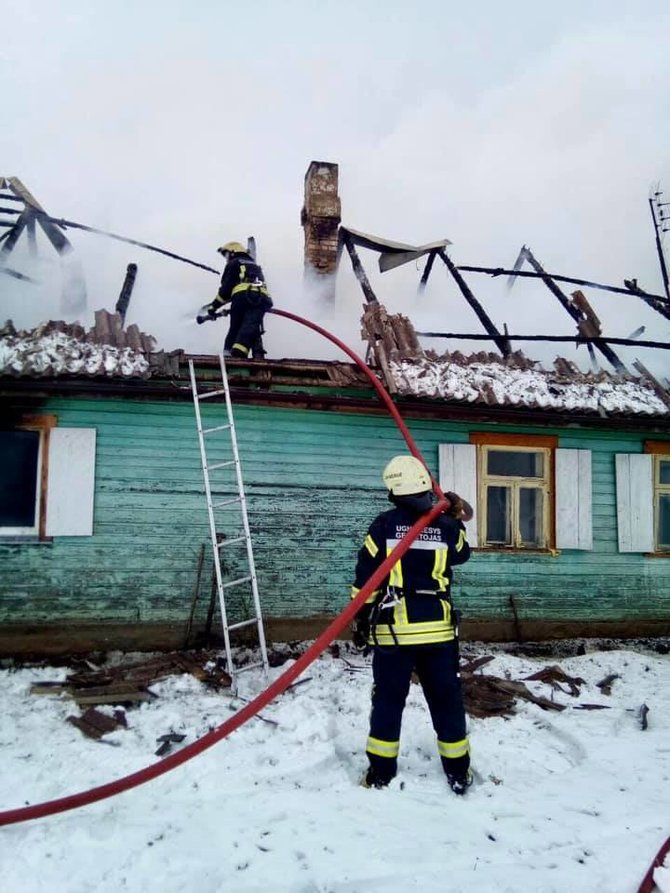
(313, 484)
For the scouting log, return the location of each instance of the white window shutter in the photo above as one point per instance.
(458, 473)
(574, 525)
(635, 502)
(71, 482)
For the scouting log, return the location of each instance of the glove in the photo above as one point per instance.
(205, 314)
(360, 631)
(459, 508)
(456, 504)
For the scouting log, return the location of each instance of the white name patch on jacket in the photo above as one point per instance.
(429, 538)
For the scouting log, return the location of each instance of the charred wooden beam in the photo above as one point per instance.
(657, 302)
(572, 339)
(568, 305)
(500, 340)
(661, 392)
(12, 236)
(126, 291)
(426, 271)
(16, 275)
(70, 224)
(24, 194)
(32, 238)
(360, 273)
(53, 233)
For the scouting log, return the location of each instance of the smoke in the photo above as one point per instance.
(493, 127)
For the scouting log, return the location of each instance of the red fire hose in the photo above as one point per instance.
(648, 885)
(50, 807)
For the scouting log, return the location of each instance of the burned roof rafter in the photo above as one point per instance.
(580, 310)
(29, 217)
(656, 302)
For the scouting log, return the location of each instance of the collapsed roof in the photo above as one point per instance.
(108, 351)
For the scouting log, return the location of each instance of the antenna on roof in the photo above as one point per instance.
(636, 334)
(661, 220)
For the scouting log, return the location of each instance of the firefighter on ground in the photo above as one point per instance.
(410, 624)
(243, 288)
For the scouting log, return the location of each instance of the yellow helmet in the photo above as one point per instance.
(406, 475)
(232, 248)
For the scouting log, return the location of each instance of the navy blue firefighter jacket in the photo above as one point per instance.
(413, 605)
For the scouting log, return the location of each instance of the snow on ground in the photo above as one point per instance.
(571, 801)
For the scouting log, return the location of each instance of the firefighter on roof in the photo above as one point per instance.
(410, 624)
(243, 288)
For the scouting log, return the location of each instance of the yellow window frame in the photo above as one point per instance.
(659, 490)
(516, 484)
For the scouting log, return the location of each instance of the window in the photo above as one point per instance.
(46, 479)
(662, 501)
(658, 452)
(514, 496)
(22, 476)
(527, 493)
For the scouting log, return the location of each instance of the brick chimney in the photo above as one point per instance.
(320, 218)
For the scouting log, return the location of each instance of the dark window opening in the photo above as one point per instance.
(19, 467)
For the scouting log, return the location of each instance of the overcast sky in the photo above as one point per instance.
(491, 124)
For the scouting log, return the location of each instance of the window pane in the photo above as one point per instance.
(498, 516)
(516, 463)
(19, 451)
(531, 516)
(664, 471)
(664, 521)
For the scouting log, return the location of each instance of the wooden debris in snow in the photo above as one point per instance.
(605, 685)
(554, 675)
(95, 724)
(128, 683)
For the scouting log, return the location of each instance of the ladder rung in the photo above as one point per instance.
(220, 465)
(218, 505)
(209, 394)
(258, 663)
(237, 539)
(218, 428)
(235, 582)
(243, 623)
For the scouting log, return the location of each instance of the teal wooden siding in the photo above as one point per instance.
(313, 483)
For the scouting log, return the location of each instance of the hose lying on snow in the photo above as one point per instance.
(648, 885)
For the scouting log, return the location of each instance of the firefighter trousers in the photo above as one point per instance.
(437, 669)
(247, 310)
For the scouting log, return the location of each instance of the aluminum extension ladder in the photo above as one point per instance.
(218, 543)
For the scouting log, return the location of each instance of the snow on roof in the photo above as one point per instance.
(58, 353)
(495, 383)
(106, 350)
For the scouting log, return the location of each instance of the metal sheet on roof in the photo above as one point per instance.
(392, 254)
